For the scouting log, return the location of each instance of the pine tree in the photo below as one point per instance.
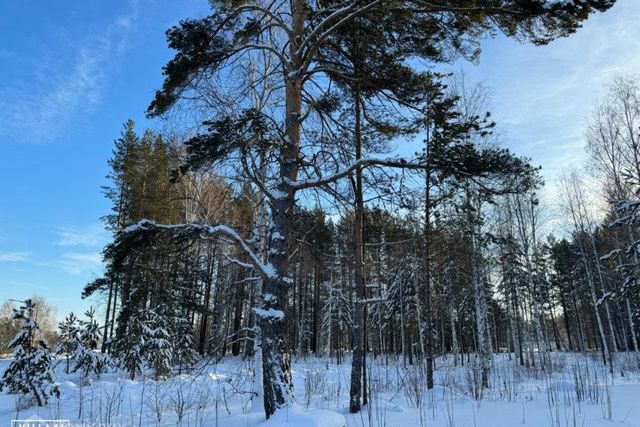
(129, 347)
(157, 346)
(123, 164)
(85, 358)
(30, 373)
(147, 342)
(67, 339)
(400, 307)
(183, 355)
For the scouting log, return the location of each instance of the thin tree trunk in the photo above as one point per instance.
(204, 319)
(428, 329)
(581, 333)
(482, 325)
(357, 367)
(632, 331)
(452, 323)
(106, 320)
(519, 327)
(565, 313)
(594, 302)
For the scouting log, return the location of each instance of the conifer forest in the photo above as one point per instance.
(320, 222)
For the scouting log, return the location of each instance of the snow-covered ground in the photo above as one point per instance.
(578, 392)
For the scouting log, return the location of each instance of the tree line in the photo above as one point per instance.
(297, 105)
(287, 222)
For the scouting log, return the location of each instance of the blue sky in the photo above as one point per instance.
(72, 72)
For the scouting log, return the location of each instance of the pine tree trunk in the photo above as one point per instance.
(357, 366)
(581, 333)
(106, 320)
(452, 322)
(113, 309)
(315, 339)
(239, 298)
(632, 331)
(428, 329)
(516, 309)
(563, 304)
(275, 370)
(556, 333)
(204, 319)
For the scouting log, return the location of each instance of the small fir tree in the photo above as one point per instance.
(86, 359)
(68, 339)
(30, 373)
(184, 354)
(157, 342)
(129, 346)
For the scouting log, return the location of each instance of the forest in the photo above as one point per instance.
(335, 220)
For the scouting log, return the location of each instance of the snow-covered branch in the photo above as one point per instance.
(612, 254)
(372, 301)
(265, 270)
(268, 313)
(238, 262)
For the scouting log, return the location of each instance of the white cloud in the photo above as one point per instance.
(25, 285)
(88, 258)
(81, 263)
(544, 94)
(42, 109)
(86, 236)
(14, 256)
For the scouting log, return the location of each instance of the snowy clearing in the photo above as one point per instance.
(579, 392)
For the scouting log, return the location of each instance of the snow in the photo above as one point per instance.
(627, 205)
(309, 418)
(269, 270)
(563, 3)
(605, 296)
(277, 314)
(277, 194)
(220, 395)
(610, 255)
(291, 417)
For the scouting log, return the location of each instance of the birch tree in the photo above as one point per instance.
(576, 206)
